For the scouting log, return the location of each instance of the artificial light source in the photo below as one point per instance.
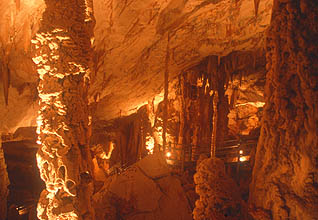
(242, 159)
(241, 152)
(168, 154)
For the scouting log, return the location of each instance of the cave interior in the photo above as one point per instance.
(158, 109)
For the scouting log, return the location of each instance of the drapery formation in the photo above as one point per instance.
(62, 50)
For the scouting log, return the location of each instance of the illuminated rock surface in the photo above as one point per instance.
(126, 63)
(146, 190)
(62, 53)
(129, 48)
(219, 194)
(285, 174)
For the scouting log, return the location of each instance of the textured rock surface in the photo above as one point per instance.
(131, 42)
(219, 194)
(146, 190)
(18, 22)
(246, 99)
(62, 50)
(4, 183)
(285, 184)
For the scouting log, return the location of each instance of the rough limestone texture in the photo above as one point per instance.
(18, 77)
(4, 183)
(219, 194)
(129, 48)
(146, 190)
(62, 49)
(246, 99)
(131, 40)
(285, 183)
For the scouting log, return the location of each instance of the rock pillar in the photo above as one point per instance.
(62, 50)
(285, 175)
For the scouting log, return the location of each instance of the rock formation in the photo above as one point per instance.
(219, 194)
(146, 190)
(62, 55)
(285, 174)
(104, 74)
(4, 183)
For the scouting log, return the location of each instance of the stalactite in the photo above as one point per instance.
(256, 6)
(4, 183)
(284, 182)
(18, 5)
(5, 71)
(62, 54)
(220, 103)
(196, 111)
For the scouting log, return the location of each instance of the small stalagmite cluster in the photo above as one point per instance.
(219, 194)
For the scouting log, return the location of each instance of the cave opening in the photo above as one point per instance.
(128, 110)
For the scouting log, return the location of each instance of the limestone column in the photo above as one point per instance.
(62, 51)
(285, 175)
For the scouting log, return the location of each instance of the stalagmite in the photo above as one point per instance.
(219, 76)
(195, 111)
(284, 184)
(62, 49)
(219, 194)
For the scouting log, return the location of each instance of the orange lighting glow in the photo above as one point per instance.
(168, 154)
(150, 144)
(242, 159)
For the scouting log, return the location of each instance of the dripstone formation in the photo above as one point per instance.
(284, 184)
(62, 54)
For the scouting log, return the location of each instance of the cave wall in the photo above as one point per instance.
(126, 134)
(285, 184)
(4, 183)
(246, 100)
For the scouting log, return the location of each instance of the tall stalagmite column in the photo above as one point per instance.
(62, 55)
(285, 175)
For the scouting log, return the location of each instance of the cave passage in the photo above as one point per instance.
(133, 110)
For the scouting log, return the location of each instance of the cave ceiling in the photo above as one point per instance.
(130, 48)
